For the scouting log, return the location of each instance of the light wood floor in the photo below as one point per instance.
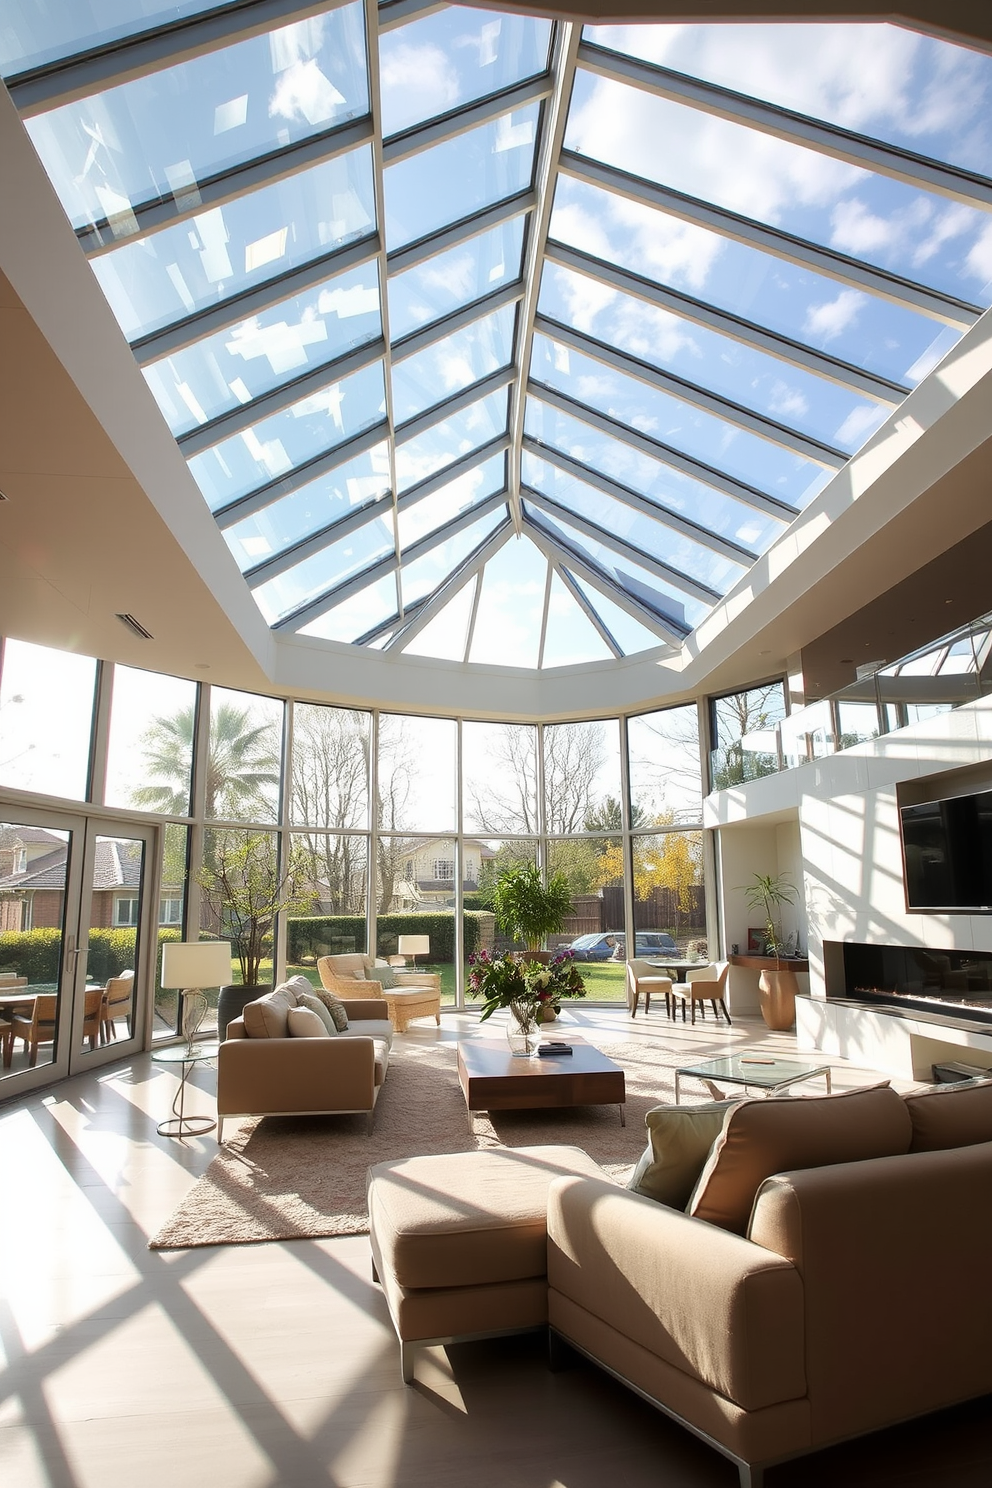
(274, 1366)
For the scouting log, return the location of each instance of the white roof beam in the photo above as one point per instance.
(555, 552)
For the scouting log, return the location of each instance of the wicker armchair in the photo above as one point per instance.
(417, 996)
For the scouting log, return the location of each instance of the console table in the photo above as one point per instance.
(777, 986)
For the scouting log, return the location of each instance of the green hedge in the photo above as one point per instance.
(323, 935)
(35, 953)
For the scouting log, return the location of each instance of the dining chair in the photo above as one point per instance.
(643, 978)
(118, 1002)
(7, 1041)
(37, 1026)
(703, 985)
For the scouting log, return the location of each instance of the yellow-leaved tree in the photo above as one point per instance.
(665, 860)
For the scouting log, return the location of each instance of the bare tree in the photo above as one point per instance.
(506, 801)
(574, 754)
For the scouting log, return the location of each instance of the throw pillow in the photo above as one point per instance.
(314, 1004)
(304, 1023)
(266, 1016)
(679, 1141)
(950, 1116)
(779, 1133)
(385, 975)
(334, 1005)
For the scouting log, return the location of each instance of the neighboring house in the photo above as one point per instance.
(32, 882)
(427, 873)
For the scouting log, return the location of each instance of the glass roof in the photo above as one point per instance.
(503, 341)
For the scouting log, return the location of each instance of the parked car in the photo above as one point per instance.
(650, 943)
(595, 947)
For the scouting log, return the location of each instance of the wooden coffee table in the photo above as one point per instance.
(493, 1079)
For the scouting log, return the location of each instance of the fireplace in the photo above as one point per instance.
(956, 985)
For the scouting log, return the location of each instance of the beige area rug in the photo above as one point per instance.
(285, 1178)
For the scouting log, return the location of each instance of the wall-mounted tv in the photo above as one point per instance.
(947, 855)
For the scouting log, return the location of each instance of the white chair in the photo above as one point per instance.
(703, 985)
(644, 978)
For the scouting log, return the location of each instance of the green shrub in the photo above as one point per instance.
(332, 935)
(35, 954)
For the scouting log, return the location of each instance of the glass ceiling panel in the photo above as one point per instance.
(354, 616)
(857, 327)
(325, 570)
(170, 275)
(460, 176)
(239, 364)
(511, 607)
(445, 636)
(855, 211)
(439, 371)
(310, 509)
(450, 439)
(789, 395)
(690, 498)
(159, 135)
(60, 28)
(445, 283)
(423, 575)
(278, 444)
(918, 92)
(571, 638)
(630, 635)
(447, 59)
(458, 496)
(667, 601)
(639, 531)
(702, 435)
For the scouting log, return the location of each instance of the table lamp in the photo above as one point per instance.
(414, 945)
(192, 965)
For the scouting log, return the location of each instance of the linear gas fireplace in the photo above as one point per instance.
(957, 985)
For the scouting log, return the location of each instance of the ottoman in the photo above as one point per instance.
(459, 1242)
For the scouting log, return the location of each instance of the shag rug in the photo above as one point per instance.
(287, 1178)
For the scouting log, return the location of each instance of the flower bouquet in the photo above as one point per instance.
(526, 988)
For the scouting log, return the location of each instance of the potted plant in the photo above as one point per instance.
(528, 909)
(527, 989)
(770, 892)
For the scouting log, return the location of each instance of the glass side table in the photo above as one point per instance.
(761, 1072)
(179, 1124)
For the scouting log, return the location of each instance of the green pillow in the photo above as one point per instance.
(385, 975)
(309, 1000)
(333, 1004)
(679, 1141)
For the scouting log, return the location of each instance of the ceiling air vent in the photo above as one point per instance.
(136, 627)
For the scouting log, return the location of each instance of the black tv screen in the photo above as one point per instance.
(947, 854)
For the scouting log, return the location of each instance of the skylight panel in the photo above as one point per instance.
(452, 500)
(446, 636)
(647, 534)
(711, 509)
(252, 240)
(32, 36)
(433, 289)
(787, 394)
(274, 446)
(424, 574)
(842, 320)
(570, 638)
(630, 635)
(239, 364)
(909, 232)
(288, 592)
(161, 134)
(665, 418)
(319, 504)
(449, 439)
(357, 614)
(511, 607)
(440, 62)
(457, 361)
(922, 93)
(460, 176)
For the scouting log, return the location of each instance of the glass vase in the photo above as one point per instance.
(521, 1031)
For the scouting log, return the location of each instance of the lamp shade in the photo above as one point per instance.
(414, 945)
(196, 963)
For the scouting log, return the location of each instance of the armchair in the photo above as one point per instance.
(416, 995)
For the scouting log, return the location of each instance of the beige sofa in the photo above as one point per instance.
(854, 1296)
(263, 1071)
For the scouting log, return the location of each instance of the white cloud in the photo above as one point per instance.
(421, 78)
(860, 422)
(787, 402)
(856, 229)
(828, 321)
(979, 260)
(303, 91)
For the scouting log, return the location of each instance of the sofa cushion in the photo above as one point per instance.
(303, 1022)
(375, 1028)
(266, 1016)
(334, 1006)
(679, 1142)
(779, 1133)
(950, 1116)
(380, 1053)
(468, 1218)
(323, 1012)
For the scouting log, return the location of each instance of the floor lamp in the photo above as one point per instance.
(414, 945)
(192, 965)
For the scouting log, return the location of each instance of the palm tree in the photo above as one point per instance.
(243, 760)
